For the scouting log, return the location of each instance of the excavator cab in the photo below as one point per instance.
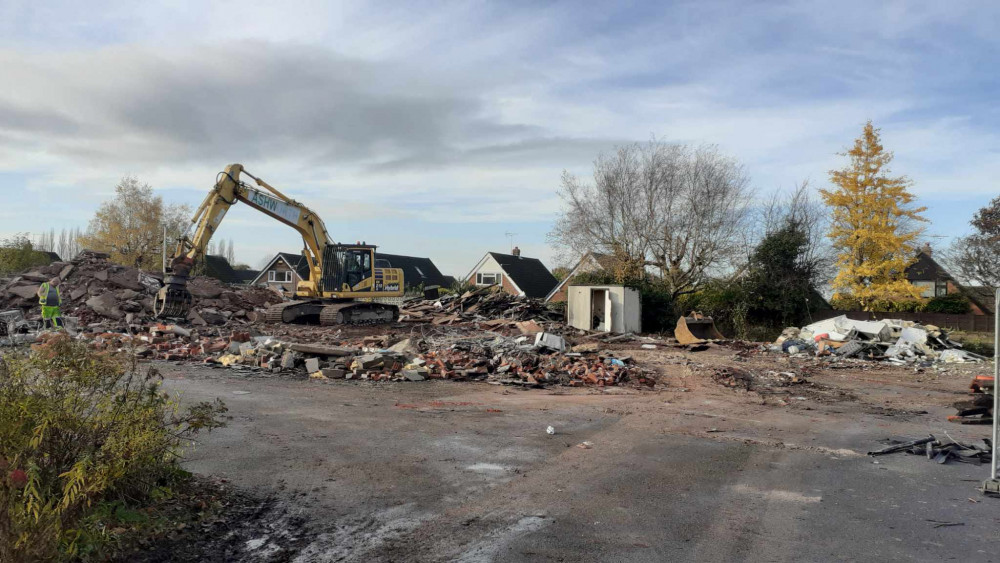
(348, 268)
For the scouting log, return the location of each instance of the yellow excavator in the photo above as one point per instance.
(344, 285)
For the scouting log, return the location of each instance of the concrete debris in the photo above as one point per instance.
(892, 340)
(550, 341)
(750, 380)
(98, 291)
(489, 304)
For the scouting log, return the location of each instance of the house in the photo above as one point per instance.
(514, 273)
(932, 279)
(417, 272)
(981, 299)
(589, 263)
(283, 273)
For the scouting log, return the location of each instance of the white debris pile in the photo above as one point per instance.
(892, 340)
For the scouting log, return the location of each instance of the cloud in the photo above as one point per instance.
(393, 117)
(252, 99)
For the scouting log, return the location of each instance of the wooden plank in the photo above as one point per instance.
(324, 350)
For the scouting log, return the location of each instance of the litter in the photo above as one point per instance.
(895, 341)
(939, 451)
(551, 430)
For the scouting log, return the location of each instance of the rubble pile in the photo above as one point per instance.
(456, 355)
(95, 290)
(759, 382)
(895, 341)
(489, 304)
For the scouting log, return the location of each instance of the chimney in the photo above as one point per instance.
(926, 249)
(516, 252)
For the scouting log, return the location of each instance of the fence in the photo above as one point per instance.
(966, 322)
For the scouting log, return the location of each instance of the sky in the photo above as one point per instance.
(443, 129)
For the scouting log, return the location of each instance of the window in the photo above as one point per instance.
(419, 271)
(487, 279)
(941, 288)
(279, 276)
(926, 288)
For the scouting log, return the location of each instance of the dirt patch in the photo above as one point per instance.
(239, 526)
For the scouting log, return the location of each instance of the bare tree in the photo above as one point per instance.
(680, 210)
(976, 258)
(802, 210)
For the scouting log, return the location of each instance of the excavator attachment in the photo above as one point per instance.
(173, 299)
(696, 329)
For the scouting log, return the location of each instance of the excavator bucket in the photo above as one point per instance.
(695, 329)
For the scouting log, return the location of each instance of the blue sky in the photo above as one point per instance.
(434, 129)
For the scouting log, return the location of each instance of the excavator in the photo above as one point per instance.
(345, 286)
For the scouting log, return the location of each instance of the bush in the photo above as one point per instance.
(17, 255)
(79, 431)
(953, 303)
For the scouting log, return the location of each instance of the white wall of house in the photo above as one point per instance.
(489, 273)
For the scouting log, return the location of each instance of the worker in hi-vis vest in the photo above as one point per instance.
(49, 299)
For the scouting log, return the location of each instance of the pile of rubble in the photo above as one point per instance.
(94, 290)
(892, 340)
(489, 304)
(759, 382)
(537, 360)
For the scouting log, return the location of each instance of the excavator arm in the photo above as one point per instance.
(174, 299)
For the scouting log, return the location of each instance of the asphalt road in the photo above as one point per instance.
(444, 471)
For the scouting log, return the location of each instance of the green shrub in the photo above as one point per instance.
(17, 255)
(80, 429)
(953, 303)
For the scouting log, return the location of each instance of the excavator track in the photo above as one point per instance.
(331, 314)
(358, 313)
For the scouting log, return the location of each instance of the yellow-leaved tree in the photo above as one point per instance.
(874, 226)
(130, 226)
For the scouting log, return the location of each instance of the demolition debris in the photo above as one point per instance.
(94, 290)
(895, 341)
(484, 334)
(940, 450)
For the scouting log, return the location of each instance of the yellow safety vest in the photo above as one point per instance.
(43, 300)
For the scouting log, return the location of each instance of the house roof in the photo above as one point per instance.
(416, 271)
(449, 281)
(602, 261)
(529, 274)
(296, 262)
(247, 276)
(982, 297)
(926, 269)
(219, 268)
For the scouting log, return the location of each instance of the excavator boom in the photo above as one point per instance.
(332, 278)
